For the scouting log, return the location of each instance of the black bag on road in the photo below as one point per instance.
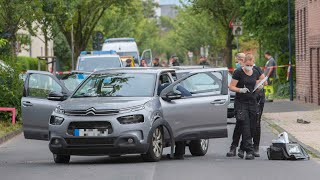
(287, 151)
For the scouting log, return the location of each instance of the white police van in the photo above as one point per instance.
(127, 47)
(90, 61)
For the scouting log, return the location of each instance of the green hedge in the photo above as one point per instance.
(10, 89)
(29, 63)
(281, 85)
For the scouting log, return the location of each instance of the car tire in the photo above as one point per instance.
(199, 147)
(155, 149)
(61, 159)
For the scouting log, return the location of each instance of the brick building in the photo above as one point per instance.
(307, 31)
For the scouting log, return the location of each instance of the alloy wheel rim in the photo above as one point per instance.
(157, 142)
(204, 144)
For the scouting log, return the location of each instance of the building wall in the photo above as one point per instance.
(307, 14)
(36, 47)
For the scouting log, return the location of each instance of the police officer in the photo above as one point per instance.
(243, 82)
(260, 100)
(270, 71)
(128, 63)
(156, 62)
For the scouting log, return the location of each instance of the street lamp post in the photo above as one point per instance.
(290, 51)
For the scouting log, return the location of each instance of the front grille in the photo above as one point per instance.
(89, 125)
(92, 112)
(90, 141)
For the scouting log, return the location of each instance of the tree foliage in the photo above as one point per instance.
(15, 15)
(268, 22)
(83, 16)
(222, 12)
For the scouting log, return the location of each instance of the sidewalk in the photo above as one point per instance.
(285, 113)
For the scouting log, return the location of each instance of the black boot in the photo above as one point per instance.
(232, 151)
(241, 153)
(249, 156)
(256, 152)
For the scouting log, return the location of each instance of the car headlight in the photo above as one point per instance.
(59, 110)
(56, 120)
(131, 119)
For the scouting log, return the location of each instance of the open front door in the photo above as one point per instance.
(36, 108)
(201, 112)
(147, 55)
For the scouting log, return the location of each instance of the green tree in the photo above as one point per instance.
(222, 12)
(83, 16)
(133, 20)
(268, 22)
(14, 15)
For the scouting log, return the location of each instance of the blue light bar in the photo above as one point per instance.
(84, 53)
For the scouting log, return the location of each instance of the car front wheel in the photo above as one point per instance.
(154, 153)
(61, 159)
(199, 147)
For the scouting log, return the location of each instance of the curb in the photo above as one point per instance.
(10, 136)
(313, 152)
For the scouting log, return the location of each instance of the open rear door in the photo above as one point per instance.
(36, 108)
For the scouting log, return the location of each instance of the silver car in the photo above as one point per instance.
(127, 111)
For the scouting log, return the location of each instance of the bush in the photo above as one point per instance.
(282, 90)
(282, 71)
(29, 63)
(11, 88)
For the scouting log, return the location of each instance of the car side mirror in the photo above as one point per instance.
(172, 96)
(56, 96)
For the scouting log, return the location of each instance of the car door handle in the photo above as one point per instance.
(219, 102)
(26, 103)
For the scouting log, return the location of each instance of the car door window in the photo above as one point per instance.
(41, 85)
(164, 78)
(164, 81)
(207, 83)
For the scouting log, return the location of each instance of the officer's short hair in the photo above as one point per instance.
(267, 53)
(240, 56)
(249, 57)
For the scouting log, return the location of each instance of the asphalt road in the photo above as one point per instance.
(28, 159)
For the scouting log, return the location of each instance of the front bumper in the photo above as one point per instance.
(103, 146)
(121, 139)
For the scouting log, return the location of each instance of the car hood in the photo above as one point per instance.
(103, 102)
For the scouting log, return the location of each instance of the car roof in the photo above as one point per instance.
(194, 70)
(147, 70)
(190, 67)
(97, 55)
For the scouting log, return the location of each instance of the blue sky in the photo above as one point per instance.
(169, 2)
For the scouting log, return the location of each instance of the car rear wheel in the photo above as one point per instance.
(155, 150)
(199, 147)
(61, 159)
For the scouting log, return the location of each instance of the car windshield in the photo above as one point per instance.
(90, 64)
(118, 85)
(71, 81)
